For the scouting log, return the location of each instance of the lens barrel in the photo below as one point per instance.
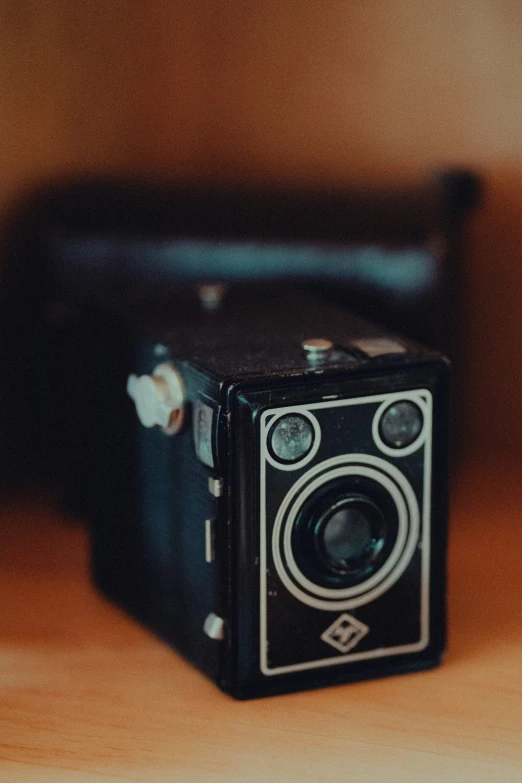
(350, 535)
(345, 532)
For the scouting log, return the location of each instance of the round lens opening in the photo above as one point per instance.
(291, 438)
(344, 533)
(401, 424)
(350, 536)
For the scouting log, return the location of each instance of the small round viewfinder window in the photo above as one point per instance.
(291, 438)
(401, 424)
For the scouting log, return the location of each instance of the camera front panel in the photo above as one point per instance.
(344, 530)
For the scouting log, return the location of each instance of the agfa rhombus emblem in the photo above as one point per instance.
(345, 633)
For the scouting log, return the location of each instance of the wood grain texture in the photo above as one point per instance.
(86, 695)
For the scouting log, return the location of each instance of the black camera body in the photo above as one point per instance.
(281, 518)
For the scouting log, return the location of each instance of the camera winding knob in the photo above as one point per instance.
(159, 398)
(317, 349)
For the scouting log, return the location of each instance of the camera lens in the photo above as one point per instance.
(291, 438)
(400, 424)
(344, 533)
(350, 535)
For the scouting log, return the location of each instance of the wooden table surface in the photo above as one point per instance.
(88, 695)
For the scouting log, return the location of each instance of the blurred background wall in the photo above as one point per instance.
(324, 91)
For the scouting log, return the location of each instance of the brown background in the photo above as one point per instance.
(294, 90)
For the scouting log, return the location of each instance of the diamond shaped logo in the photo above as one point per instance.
(345, 633)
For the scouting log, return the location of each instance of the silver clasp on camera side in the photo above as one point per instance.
(159, 398)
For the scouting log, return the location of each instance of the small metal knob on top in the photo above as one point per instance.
(317, 349)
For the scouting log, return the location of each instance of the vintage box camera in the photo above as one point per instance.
(277, 510)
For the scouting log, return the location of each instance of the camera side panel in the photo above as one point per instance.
(150, 502)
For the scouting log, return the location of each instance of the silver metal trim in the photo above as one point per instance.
(210, 554)
(215, 487)
(214, 627)
(379, 346)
